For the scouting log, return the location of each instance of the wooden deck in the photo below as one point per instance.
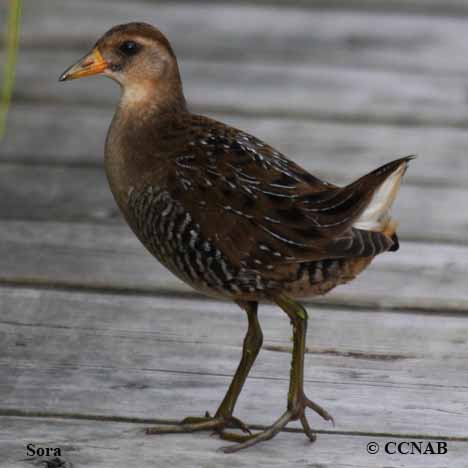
(97, 340)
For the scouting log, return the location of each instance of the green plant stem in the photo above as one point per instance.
(12, 37)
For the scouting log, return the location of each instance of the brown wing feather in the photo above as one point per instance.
(267, 209)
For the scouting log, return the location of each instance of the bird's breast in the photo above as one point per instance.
(115, 162)
(131, 159)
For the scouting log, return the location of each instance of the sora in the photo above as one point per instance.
(230, 215)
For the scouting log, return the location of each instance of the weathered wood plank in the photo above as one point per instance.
(61, 136)
(213, 30)
(349, 94)
(107, 445)
(55, 359)
(336, 338)
(55, 193)
(140, 356)
(169, 395)
(109, 256)
(69, 193)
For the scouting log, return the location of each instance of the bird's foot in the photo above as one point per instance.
(215, 423)
(295, 412)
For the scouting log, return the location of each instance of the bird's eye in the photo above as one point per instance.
(129, 48)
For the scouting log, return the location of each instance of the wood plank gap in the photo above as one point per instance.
(220, 112)
(46, 162)
(133, 420)
(389, 304)
(355, 119)
(75, 48)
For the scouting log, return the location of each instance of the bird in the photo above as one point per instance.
(230, 215)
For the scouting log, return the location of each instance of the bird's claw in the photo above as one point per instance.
(296, 412)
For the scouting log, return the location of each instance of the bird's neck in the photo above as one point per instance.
(152, 100)
(137, 140)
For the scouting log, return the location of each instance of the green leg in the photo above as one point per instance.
(297, 401)
(223, 418)
(296, 398)
(252, 343)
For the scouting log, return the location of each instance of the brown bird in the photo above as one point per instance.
(230, 215)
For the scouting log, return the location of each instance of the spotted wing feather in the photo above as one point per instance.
(263, 208)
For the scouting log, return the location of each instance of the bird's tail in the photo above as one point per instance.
(376, 215)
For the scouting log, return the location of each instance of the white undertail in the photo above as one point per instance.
(376, 217)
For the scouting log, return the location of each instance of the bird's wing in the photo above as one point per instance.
(260, 208)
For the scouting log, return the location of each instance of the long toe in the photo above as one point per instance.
(190, 424)
(236, 423)
(296, 413)
(319, 410)
(197, 423)
(307, 429)
(234, 437)
(262, 436)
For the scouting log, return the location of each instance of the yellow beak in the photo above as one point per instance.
(91, 64)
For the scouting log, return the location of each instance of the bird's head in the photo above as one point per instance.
(136, 55)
